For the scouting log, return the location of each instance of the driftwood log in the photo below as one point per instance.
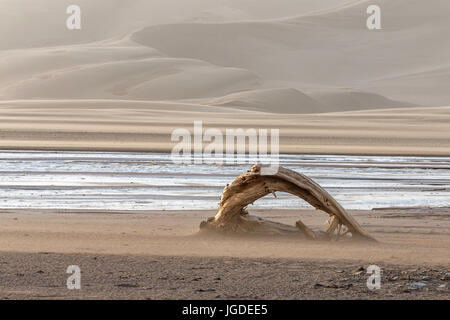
(233, 217)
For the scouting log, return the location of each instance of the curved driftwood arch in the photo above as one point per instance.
(232, 216)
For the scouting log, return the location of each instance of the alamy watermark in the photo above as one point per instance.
(73, 22)
(374, 280)
(74, 280)
(232, 146)
(374, 20)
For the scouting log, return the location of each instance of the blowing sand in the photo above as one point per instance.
(160, 255)
(309, 68)
(135, 72)
(147, 126)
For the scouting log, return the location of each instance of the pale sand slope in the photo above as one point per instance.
(43, 23)
(289, 100)
(308, 62)
(127, 125)
(156, 255)
(115, 70)
(329, 50)
(120, 69)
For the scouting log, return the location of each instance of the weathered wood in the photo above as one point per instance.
(232, 216)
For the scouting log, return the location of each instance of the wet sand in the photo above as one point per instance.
(120, 181)
(157, 255)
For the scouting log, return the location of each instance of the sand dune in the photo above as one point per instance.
(330, 49)
(42, 23)
(116, 69)
(289, 100)
(127, 84)
(281, 100)
(239, 54)
(347, 100)
(147, 79)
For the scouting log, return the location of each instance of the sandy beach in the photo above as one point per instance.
(157, 255)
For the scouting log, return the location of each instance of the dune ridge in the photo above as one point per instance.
(323, 49)
(229, 63)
